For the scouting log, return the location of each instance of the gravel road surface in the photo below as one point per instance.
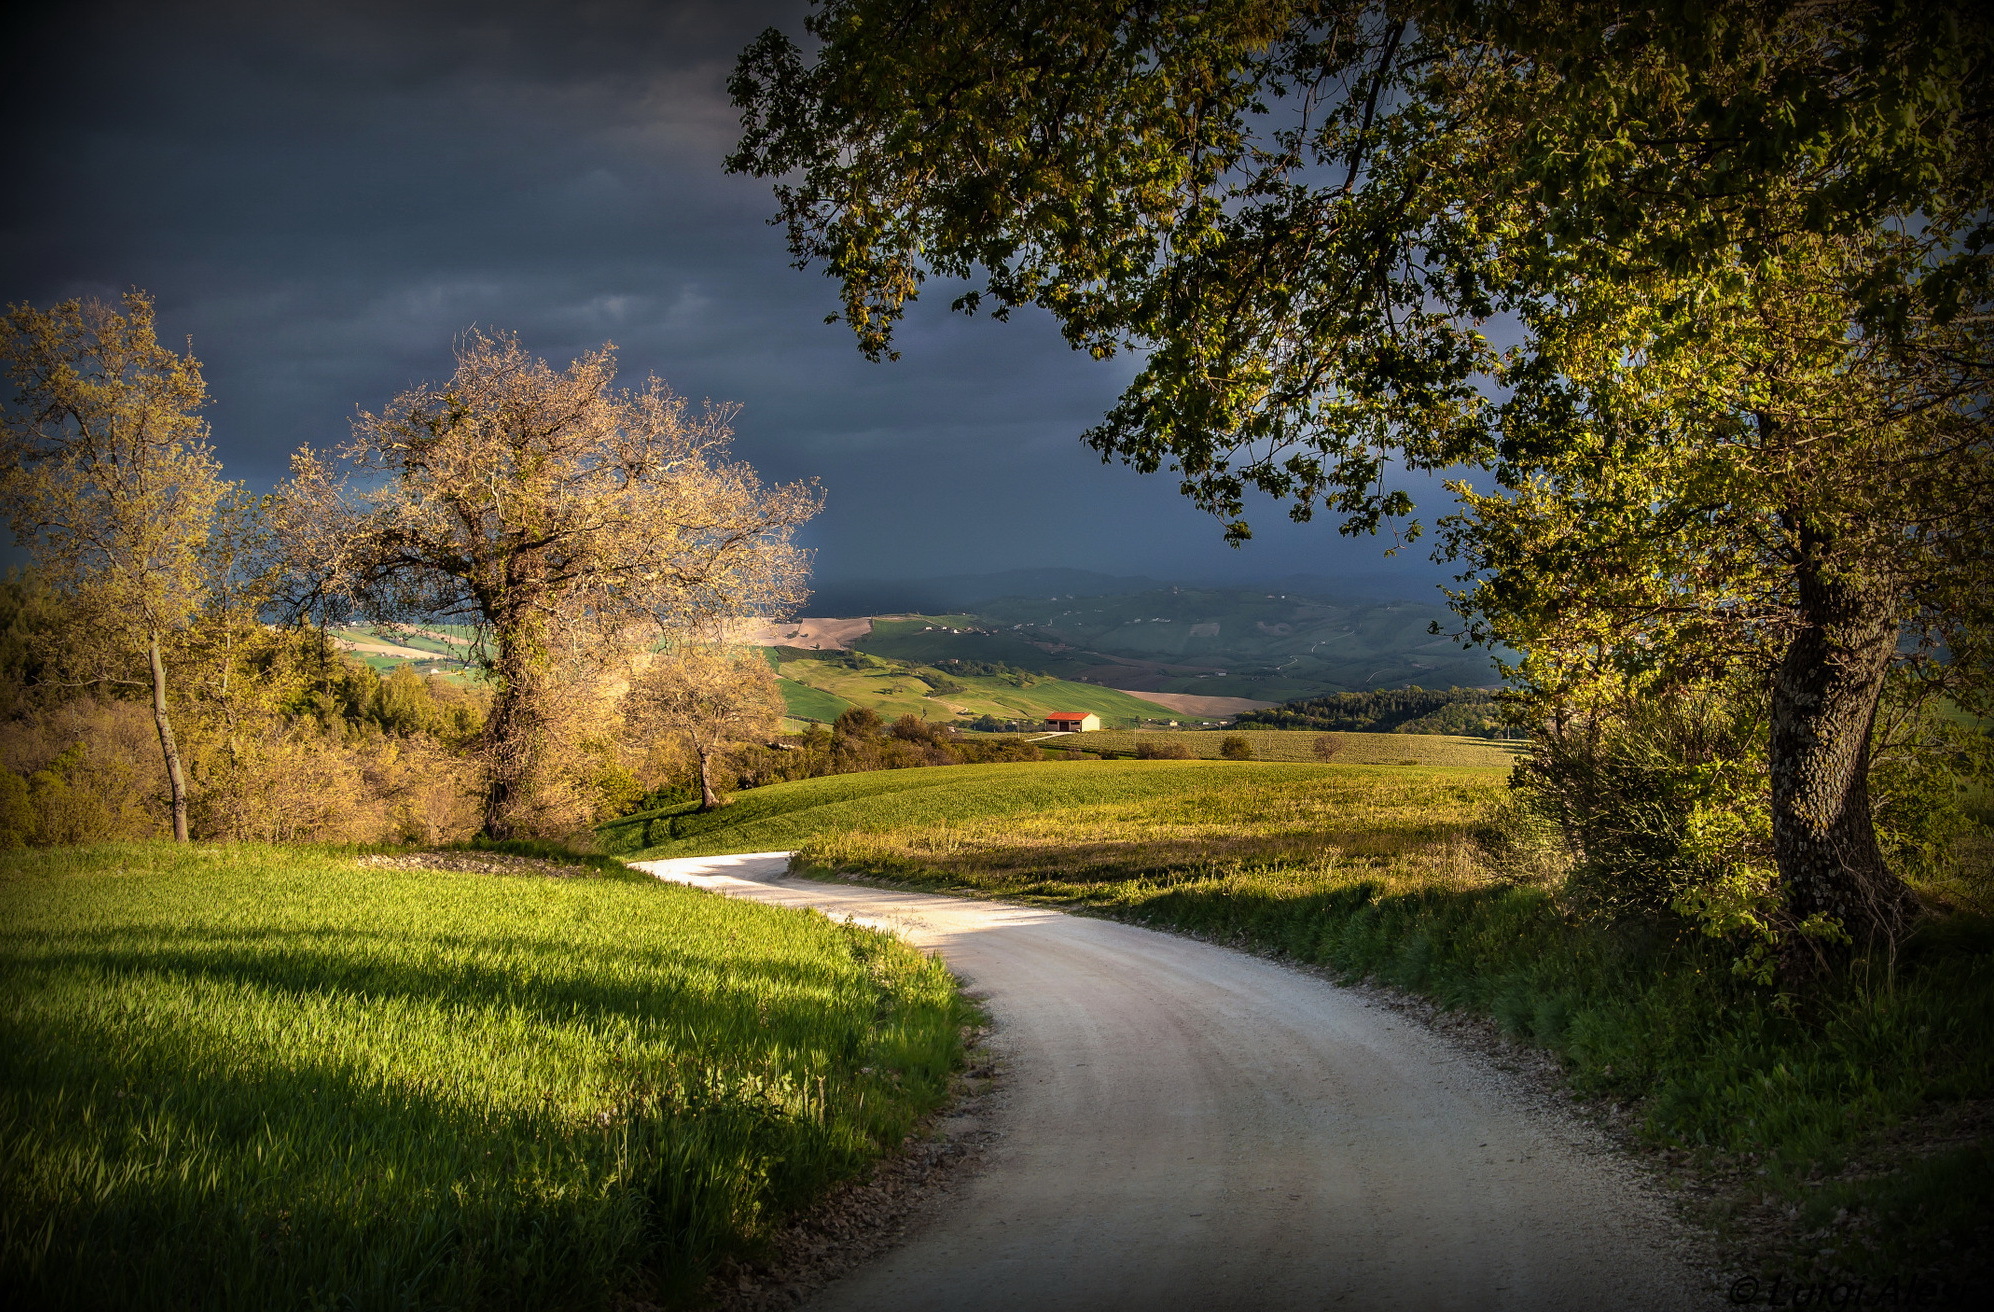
(1186, 1126)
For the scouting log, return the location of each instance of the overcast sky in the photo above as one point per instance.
(322, 194)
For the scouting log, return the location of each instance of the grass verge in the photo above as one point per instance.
(253, 1077)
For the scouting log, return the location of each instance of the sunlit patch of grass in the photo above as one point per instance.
(1269, 807)
(250, 1077)
(1393, 829)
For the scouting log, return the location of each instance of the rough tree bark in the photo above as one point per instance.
(708, 799)
(1824, 703)
(516, 729)
(176, 780)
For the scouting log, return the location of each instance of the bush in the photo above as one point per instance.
(1235, 748)
(1664, 806)
(1664, 803)
(87, 771)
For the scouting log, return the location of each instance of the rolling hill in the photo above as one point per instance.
(818, 685)
(785, 815)
(1224, 642)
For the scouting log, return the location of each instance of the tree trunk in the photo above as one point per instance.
(176, 781)
(1823, 710)
(516, 732)
(708, 799)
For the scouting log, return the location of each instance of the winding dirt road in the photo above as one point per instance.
(1190, 1127)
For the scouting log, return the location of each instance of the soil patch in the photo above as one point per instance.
(479, 863)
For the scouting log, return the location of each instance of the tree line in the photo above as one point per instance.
(592, 538)
(1470, 711)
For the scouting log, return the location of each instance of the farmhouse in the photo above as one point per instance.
(1073, 721)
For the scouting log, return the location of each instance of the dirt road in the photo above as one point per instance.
(1190, 1127)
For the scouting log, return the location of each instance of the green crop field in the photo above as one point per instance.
(1198, 808)
(894, 689)
(252, 1077)
(804, 702)
(1299, 745)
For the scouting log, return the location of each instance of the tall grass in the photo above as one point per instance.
(256, 1077)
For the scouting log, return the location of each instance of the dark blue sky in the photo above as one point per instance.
(322, 194)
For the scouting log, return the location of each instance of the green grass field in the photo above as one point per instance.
(804, 702)
(894, 691)
(1190, 807)
(1417, 749)
(252, 1077)
(1379, 872)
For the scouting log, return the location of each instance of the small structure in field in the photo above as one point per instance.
(1073, 721)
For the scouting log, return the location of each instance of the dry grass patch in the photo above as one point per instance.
(1399, 829)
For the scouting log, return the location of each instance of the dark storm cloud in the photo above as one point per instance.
(322, 195)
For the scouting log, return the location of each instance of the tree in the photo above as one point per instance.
(556, 514)
(108, 480)
(1326, 746)
(1742, 252)
(1235, 747)
(712, 699)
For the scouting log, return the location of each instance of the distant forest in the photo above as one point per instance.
(1470, 711)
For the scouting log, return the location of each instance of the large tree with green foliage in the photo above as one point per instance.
(1702, 292)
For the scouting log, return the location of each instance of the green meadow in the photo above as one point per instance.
(894, 689)
(803, 702)
(248, 1077)
(1194, 807)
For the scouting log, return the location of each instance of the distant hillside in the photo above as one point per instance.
(819, 685)
(1225, 642)
(433, 649)
(957, 592)
(1471, 711)
(966, 592)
